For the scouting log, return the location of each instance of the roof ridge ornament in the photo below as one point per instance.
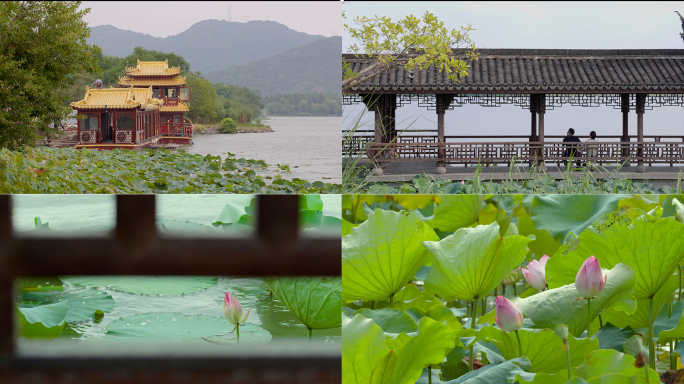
(681, 18)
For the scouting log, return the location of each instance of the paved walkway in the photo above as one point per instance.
(405, 171)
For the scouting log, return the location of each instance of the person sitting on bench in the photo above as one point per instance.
(571, 149)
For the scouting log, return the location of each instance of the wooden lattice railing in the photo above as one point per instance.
(502, 153)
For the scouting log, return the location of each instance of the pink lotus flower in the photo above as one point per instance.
(590, 281)
(535, 274)
(508, 316)
(233, 310)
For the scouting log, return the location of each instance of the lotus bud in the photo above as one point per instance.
(535, 273)
(508, 316)
(590, 281)
(233, 310)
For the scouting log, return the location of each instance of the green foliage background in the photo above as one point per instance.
(42, 46)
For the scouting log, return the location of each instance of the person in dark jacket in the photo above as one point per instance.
(571, 149)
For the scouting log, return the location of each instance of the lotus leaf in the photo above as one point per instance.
(457, 212)
(639, 319)
(679, 209)
(83, 302)
(561, 305)
(146, 285)
(496, 373)
(174, 326)
(365, 352)
(600, 363)
(562, 214)
(45, 321)
(473, 261)
(390, 320)
(542, 347)
(383, 254)
(315, 301)
(612, 337)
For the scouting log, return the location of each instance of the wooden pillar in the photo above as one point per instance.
(372, 103)
(443, 102)
(541, 110)
(640, 106)
(114, 127)
(533, 133)
(624, 107)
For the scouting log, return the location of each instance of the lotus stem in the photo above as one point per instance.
(567, 355)
(515, 290)
(391, 300)
(589, 325)
(651, 345)
(484, 306)
(600, 322)
(310, 333)
(519, 344)
(646, 369)
(372, 304)
(429, 374)
(672, 358)
(237, 329)
(472, 324)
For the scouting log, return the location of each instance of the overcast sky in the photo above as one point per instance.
(167, 18)
(523, 24)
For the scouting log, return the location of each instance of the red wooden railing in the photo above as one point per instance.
(176, 129)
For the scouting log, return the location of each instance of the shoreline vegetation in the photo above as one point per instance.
(65, 170)
(215, 128)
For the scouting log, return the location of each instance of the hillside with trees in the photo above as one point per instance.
(311, 68)
(208, 45)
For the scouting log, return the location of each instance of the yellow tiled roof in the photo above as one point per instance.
(144, 82)
(153, 68)
(117, 98)
(181, 107)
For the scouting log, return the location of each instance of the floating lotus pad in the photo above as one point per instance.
(45, 321)
(146, 285)
(315, 301)
(175, 326)
(83, 302)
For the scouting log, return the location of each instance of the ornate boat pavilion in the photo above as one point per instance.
(169, 86)
(118, 118)
(535, 79)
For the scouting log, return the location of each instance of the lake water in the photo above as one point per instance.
(309, 145)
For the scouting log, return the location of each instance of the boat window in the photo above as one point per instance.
(155, 93)
(176, 119)
(92, 120)
(124, 121)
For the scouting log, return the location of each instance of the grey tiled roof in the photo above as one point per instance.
(541, 71)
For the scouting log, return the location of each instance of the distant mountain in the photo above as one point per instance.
(208, 45)
(311, 68)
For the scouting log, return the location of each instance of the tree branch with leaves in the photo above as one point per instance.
(412, 43)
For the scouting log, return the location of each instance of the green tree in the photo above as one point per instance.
(203, 105)
(142, 54)
(228, 126)
(42, 48)
(409, 43)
